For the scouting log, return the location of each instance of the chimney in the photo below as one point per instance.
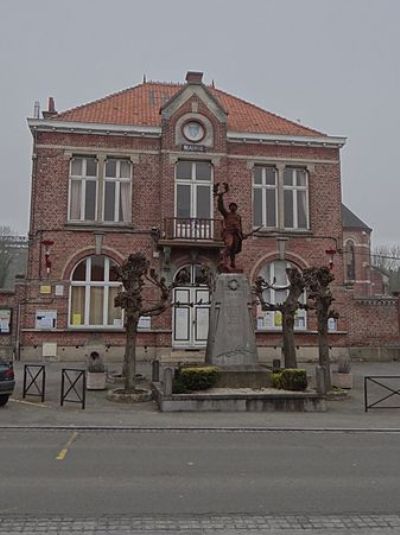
(194, 77)
(36, 110)
(51, 109)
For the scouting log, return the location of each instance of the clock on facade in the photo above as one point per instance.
(193, 131)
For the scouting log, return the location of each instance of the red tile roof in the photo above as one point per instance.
(140, 106)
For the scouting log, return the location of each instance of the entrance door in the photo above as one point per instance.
(191, 312)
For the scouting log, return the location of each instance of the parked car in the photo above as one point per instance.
(7, 381)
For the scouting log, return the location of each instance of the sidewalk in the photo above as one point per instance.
(341, 415)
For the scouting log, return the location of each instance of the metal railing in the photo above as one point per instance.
(192, 228)
(377, 380)
(70, 379)
(34, 379)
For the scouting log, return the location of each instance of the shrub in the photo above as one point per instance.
(290, 379)
(195, 378)
(276, 379)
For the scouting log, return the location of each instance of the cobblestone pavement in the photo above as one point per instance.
(203, 525)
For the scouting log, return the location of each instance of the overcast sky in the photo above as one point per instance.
(332, 64)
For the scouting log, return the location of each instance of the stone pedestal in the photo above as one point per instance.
(231, 338)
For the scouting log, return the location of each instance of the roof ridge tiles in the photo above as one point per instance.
(156, 82)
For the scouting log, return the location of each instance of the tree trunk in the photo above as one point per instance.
(129, 369)
(289, 346)
(323, 348)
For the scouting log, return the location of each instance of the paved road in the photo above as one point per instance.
(255, 478)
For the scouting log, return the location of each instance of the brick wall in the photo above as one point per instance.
(374, 321)
(153, 194)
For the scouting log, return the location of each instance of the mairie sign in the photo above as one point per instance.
(191, 147)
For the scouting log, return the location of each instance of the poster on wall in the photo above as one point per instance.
(265, 320)
(144, 323)
(332, 325)
(5, 320)
(46, 319)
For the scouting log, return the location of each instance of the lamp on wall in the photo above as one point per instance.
(331, 253)
(47, 244)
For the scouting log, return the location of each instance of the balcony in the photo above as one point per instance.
(192, 231)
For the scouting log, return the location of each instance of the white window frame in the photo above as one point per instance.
(267, 320)
(295, 189)
(117, 180)
(100, 179)
(193, 183)
(88, 284)
(83, 178)
(264, 187)
(193, 228)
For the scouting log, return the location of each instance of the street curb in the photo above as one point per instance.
(155, 429)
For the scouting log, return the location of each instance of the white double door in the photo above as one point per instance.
(191, 317)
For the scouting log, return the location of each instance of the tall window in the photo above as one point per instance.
(280, 202)
(193, 189)
(265, 196)
(93, 290)
(350, 259)
(97, 195)
(117, 189)
(83, 189)
(275, 274)
(193, 200)
(295, 198)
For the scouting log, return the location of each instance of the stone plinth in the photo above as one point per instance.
(240, 400)
(231, 338)
(244, 378)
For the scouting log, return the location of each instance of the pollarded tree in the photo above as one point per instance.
(318, 281)
(134, 274)
(288, 309)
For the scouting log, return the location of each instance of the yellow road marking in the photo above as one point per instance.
(64, 451)
(29, 403)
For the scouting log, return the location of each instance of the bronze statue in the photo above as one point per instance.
(232, 232)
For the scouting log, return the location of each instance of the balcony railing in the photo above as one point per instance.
(193, 229)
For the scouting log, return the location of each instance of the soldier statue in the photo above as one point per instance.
(232, 232)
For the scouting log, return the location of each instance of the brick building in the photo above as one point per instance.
(135, 171)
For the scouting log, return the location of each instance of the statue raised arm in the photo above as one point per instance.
(232, 233)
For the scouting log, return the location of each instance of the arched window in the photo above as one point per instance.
(275, 274)
(93, 289)
(350, 259)
(191, 275)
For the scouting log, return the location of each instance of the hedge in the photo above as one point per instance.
(290, 379)
(195, 378)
